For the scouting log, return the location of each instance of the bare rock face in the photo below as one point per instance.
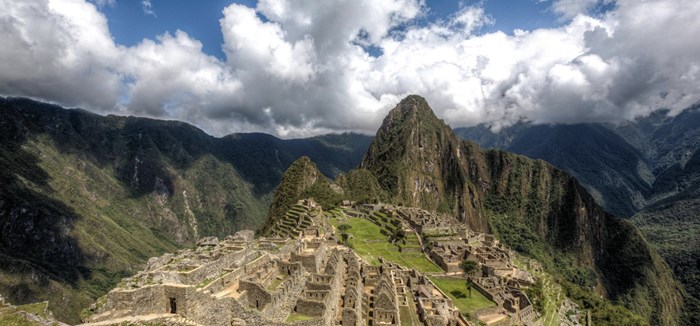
(208, 241)
(243, 236)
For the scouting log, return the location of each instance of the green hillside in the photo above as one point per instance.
(87, 199)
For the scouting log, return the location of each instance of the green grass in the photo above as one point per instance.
(370, 244)
(10, 316)
(14, 319)
(276, 283)
(299, 317)
(456, 289)
(38, 308)
(408, 313)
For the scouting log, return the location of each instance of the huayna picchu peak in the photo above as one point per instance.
(427, 229)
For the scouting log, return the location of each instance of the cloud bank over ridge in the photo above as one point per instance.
(300, 67)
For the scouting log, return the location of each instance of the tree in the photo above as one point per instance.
(398, 235)
(343, 228)
(468, 266)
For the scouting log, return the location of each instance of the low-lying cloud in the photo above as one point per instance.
(297, 67)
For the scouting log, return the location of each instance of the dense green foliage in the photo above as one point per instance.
(536, 295)
(361, 186)
(468, 266)
(418, 161)
(673, 227)
(301, 180)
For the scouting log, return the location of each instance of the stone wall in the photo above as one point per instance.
(258, 297)
(337, 283)
(310, 307)
(227, 260)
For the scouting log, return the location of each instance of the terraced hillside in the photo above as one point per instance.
(299, 219)
(371, 237)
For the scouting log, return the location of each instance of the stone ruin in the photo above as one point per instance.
(450, 242)
(302, 276)
(267, 281)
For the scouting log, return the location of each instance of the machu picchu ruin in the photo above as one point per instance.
(302, 272)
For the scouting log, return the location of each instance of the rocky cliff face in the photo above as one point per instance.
(534, 207)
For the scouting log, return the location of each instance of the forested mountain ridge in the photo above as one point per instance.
(647, 169)
(86, 199)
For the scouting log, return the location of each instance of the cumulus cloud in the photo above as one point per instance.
(300, 67)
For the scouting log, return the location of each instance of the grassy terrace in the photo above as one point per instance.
(552, 294)
(456, 289)
(370, 244)
(276, 282)
(298, 317)
(408, 313)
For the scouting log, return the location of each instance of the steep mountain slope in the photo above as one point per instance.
(530, 205)
(650, 166)
(416, 159)
(613, 171)
(301, 180)
(86, 199)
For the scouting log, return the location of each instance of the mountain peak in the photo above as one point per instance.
(412, 106)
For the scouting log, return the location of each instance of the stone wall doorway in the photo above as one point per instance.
(173, 306)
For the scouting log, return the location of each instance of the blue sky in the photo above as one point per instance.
(130, 24)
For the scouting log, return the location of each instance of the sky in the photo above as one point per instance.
(296, 68)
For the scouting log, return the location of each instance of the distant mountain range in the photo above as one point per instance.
(87, 199)
(647, 169)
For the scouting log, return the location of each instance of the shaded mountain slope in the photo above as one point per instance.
(614, 172)
(86, 198)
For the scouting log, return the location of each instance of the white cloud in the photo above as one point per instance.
(302, 68)
(147, 7)
(51, 52)
(568, 9)
(106, 3)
